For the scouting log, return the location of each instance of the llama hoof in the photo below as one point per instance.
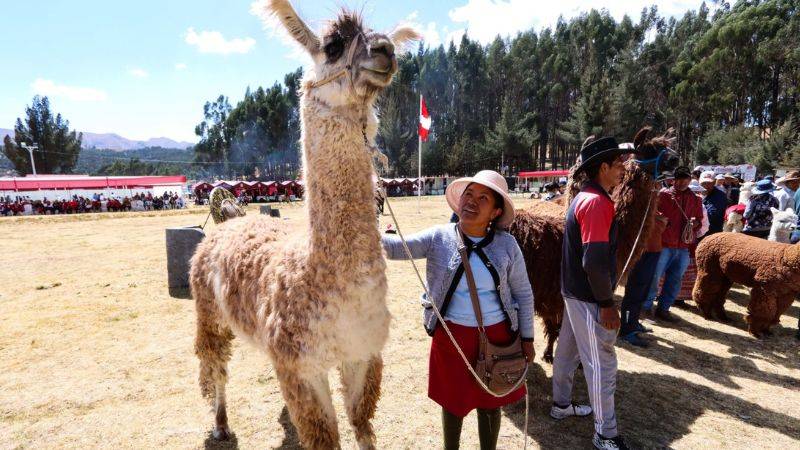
(722, 317)
(366, 445)
(221, 434)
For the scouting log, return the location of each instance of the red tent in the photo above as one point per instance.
(202, 187)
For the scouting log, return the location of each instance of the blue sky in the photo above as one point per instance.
(144, 69)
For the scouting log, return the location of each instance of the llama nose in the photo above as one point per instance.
(382, 46)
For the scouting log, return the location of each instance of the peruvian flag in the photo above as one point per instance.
(424, 120)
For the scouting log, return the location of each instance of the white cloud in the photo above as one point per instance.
(430, 31)
(138, 73)
(215, 42)
(180, 66)
(485, 19)
(79, 94)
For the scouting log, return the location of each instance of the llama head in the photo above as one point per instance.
(351, 62)
(654, 155)
(783, 221)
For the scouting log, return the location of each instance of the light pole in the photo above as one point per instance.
(30, 149)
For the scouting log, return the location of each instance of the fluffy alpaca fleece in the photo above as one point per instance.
(770, 269)
(734, 224)
(554, 208)
(540, 233)
(313, 297)
(783, 223)
(540, 236)
(745, 192)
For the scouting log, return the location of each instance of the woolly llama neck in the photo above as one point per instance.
(338, 170)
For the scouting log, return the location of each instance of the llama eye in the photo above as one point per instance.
(333, 49)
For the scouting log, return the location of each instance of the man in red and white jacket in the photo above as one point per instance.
(680, 206)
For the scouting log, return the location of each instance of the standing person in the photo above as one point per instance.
(553, 193)
(504, 293)
(640, 288)
(759, 211)
(684, 212)
(588, 277)
(733, 193)
(786, 195)
(714, 202)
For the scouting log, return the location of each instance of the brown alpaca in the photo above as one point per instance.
(313, 297)
(770, 269)
(539, 230)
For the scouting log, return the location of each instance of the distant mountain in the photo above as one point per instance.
(114, 141)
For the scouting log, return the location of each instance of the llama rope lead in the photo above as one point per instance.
(453, 339)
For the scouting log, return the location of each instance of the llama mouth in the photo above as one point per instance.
(382, 72)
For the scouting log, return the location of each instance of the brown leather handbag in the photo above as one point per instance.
(500, 367)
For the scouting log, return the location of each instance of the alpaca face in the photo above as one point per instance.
(783, 222)
(352, 63)
(734, 223)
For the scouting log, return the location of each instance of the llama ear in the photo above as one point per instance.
(587, 141)
(790, 210)
(640, 137)
(403, 35)
(283, 11)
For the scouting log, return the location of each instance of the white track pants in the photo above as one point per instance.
(583, 339)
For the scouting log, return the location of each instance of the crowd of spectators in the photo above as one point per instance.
(692, 206)
(24, 205)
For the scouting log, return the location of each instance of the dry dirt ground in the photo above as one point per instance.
(95, 353)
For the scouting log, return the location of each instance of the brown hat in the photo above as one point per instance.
(792, 175)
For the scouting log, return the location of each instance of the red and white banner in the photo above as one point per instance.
(424, 120)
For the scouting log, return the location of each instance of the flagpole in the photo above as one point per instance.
(419, 161)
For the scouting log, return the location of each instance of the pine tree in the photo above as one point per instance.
(58, 147)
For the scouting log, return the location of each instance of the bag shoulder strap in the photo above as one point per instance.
(473, 290)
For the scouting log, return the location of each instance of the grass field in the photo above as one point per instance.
(95, 353)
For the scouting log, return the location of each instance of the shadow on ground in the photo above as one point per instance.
(212, 443)
(642, 399)
(781, 348)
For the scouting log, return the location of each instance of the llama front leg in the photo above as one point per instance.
(709, 293)
(760, 311)
(361, 385)
(308, 399)
(783, 301)
(551, 327)
(213, 348)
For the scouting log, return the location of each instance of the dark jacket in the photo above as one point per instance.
(715, 204)
(588, 256)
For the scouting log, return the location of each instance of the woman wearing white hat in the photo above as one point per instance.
(504, 293)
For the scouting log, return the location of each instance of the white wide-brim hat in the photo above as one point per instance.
(707, 177)
(491, 180)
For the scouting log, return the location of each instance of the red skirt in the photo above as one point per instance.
(450, 384)
(687, 282)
